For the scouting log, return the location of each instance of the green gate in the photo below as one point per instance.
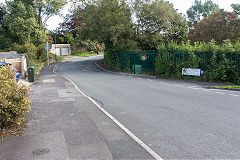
(138, 62)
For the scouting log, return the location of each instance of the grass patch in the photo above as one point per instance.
(85, 54)
(227, 86)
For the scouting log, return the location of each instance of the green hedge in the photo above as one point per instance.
(220, 62)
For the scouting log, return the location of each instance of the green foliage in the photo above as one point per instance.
(200, 10)
(46, 9)
(1, 15)
(22, 26)
(112, 60)
(14, 101)
(29, 49)
(90, 45)
(220, 62)
(5, 40)
(227, 86)
(20, 20)
(85, 53)
(236, 8)
(219, 26)
(158, 22)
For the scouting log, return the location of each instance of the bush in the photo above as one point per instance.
(30, 49)
(220, 62)
(14, 101)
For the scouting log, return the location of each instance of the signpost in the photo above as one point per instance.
(193, 72)
(47, 48)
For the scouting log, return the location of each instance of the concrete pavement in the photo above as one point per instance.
(65, 125)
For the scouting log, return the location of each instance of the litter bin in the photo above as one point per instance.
(31, 74)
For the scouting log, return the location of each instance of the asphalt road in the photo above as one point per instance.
(176, 119)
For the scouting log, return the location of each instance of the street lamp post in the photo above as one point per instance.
(55, 39)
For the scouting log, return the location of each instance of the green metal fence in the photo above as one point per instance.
(138, 62)
(143, 62)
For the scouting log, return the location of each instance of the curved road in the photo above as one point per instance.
(176, 119)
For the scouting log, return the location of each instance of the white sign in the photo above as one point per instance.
(47, 46)
(143, 58)
(192, 72)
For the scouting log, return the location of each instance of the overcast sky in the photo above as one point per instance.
(181, 5)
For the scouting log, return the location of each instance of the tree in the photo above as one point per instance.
(46, 9)
(20, 21)
(236, 8)
(107, 21)
(200, 10)
(219, 26)
(1, 15)
(156, 22)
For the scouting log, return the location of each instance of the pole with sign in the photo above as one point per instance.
(47, 48)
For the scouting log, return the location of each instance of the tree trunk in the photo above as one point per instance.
(40, 18)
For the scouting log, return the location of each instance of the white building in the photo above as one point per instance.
(61, 49)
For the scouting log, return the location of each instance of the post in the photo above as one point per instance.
(179, 59)
(48, 57)
(47, 48)
(134, 61)
(55, 39)
(153, 63)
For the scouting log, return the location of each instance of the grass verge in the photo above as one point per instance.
(227, 86)
(85, 54)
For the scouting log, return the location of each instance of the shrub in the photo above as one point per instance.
(220, 62)
(29, 49)
(14, 101)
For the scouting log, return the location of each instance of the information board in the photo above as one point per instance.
(192, 72)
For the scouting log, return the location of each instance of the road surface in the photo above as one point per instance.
(176, 119)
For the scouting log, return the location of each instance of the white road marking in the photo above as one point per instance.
(150, 80)
(234, 95)
(219, 92)
(48, 81)
(162, 83)
(179, 85)
(192, 87)
(230, 91)
(195, 88)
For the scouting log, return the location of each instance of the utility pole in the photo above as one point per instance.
(55, 39)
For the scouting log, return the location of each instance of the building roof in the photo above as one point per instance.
(60, 45)
(9, 55)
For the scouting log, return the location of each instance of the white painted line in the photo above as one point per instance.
(149, 150)
(192, 87)
(139, 78)
(230, 91)
(162, 83)
(218, 92)
(150, 80)
(177, 85)
(234, 95)
(195, 88)
(206, 90)
(48, 81)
